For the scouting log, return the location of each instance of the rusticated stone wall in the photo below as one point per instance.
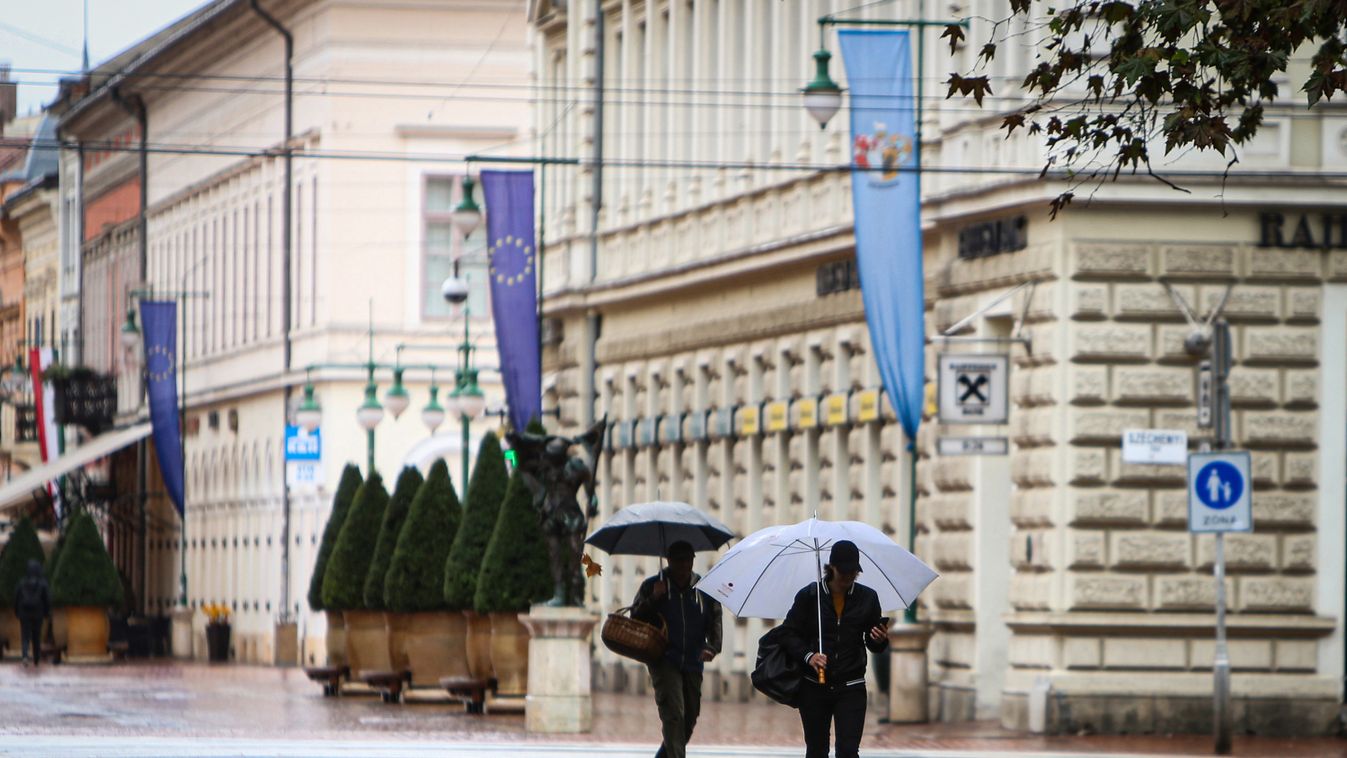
(1108, 584)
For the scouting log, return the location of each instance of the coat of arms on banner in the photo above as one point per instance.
(881, 149)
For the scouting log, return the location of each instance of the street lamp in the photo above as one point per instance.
(309, 414)
(433, 414)
(397, 398)
(370, 413)
(466, 216)
(467, 400)
(471, 400)
(130, 331)
(822, 97)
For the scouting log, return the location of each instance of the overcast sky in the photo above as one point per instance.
(40, 38)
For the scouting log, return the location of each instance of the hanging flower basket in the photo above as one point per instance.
(83, 397)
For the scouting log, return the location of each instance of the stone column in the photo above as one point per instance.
(907, 673)
(559, 699)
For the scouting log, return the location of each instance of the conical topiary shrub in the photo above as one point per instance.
(514, 571)
(23, 546)
(49, 568)
(341, 503)
(85, 574)
(413, 579)
(485, 493)
(344, 580)
(409, 483)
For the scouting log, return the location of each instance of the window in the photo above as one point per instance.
(442, 244)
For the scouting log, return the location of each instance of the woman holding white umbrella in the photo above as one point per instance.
(831, 621)
(847, 617)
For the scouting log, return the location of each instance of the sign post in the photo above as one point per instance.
(303, 457)
(1220, 500)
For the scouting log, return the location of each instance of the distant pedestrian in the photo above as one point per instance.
(694, 639)
(847, 617)
(32, 604)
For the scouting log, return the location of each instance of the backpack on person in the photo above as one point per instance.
(30, 597)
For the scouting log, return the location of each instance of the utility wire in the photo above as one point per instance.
(641, 163)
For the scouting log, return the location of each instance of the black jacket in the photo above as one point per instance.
(31, 596)
(845, 640)
(693, 619)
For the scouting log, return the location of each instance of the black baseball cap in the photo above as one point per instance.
(845, 556)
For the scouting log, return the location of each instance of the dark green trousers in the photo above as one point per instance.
(678, 694)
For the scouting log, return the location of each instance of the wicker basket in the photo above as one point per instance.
(626, 636)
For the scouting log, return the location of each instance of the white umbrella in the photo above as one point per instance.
(759, 576)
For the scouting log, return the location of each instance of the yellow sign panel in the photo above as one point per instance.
(748, 420)
(835, 409)
(869, 410)
(807, 408)
(778, 416)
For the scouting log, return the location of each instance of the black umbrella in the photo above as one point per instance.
(650, 528)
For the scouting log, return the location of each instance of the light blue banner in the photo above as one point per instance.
(886, 193)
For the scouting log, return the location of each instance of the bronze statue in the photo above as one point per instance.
(554, 476)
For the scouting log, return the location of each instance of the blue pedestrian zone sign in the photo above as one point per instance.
(302, 445)
(1220, 497)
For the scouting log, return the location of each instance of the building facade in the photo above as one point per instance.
(379, 131)
(710, 308)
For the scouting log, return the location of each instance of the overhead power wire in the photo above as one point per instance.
(642, 163)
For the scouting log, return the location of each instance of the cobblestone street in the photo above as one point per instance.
(164, 708)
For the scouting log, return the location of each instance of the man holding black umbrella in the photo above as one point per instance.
(694, 639)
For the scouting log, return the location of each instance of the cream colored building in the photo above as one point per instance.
(382, 117)
(727, 335)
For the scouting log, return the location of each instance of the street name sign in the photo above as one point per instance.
(973, 445)
(973, 388)
(1220, 492)
(1163, 447)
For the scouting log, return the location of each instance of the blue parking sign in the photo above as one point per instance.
(1219, 492)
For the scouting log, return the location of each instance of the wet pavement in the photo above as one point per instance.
(167, 708)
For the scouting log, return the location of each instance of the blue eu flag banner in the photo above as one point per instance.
(513, 268)
(886, 193)
(161, 373)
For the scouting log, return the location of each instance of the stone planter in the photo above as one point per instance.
(478, 645)
(88, 632)
(366, 642)
(12, 632)
(60, 627)
(435, 643)
(336, 638)
(397, 625)
(509, 654)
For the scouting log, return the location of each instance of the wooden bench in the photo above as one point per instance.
(53, 653)
(389, 683)
(328, 676)
(470, 691)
